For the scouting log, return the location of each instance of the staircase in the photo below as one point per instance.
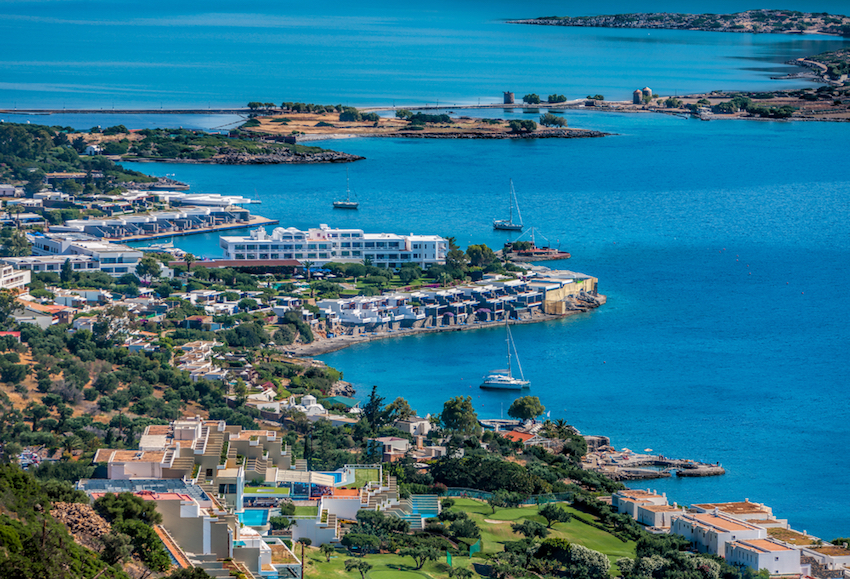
(425, 504)
(301, 465)
(184, 463)
(256, 465)
(212, 566)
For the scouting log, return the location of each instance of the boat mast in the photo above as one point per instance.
(521, 375)
(347, 187)
(511, 202)
(517, 204)
(508, 344)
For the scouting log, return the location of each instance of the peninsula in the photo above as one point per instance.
(190, 146)
(754, 21)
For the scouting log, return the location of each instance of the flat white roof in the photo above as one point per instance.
(300, 476)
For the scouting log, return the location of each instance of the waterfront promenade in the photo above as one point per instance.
(254, 221)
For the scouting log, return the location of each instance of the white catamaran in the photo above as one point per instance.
(348, 203)
(504, 379)
(508, 224)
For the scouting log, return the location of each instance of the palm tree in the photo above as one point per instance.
(14, 210)
(562, 428)
(307, 265)
(189, 258)
(72, 443)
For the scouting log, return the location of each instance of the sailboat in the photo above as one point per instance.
(508, 224)
(504, 379)
(348, 203)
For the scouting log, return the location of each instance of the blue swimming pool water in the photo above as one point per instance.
(254, 517)
(337, 476)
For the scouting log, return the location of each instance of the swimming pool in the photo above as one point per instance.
(337, 476)
(254, 517)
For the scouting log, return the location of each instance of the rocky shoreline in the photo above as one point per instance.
(540, 134)
(283, 157)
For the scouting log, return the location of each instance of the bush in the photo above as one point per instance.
(522, 126)
(550, 120)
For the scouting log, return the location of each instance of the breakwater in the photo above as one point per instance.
(626, 465)
(539, 134)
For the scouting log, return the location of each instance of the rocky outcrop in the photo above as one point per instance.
(82, 522)
(342, 388)
(700, 471)
(284, 156)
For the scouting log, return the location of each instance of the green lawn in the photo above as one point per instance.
(383, 566)
(493, 536)
(362, 476)
(311, 511)
(267, 491)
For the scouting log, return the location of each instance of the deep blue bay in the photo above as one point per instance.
(723, 247)
(704, 236)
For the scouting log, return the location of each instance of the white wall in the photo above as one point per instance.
(785, 562)
(310, 528)
(342, 508)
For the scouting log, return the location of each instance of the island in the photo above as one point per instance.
(299, 121)
(753, 21)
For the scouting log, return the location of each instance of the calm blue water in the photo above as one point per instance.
(723, 247)
(172, 54)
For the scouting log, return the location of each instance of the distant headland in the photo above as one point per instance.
(752, 21)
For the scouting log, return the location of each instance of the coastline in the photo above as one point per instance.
(327, 345)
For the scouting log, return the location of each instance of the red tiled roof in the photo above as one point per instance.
(42, 308)
(518, 436)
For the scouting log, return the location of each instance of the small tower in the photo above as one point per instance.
(647, 92)
(509, 98)
(637, 97)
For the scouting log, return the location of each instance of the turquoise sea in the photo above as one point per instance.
(723, 246)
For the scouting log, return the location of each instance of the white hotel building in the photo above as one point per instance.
(86, 253)
(323, 245)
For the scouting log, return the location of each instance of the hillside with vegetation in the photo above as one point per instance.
(184, 145)
(27, 152)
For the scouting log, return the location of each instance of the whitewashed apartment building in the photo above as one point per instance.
(87, 253)
(323, 245)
